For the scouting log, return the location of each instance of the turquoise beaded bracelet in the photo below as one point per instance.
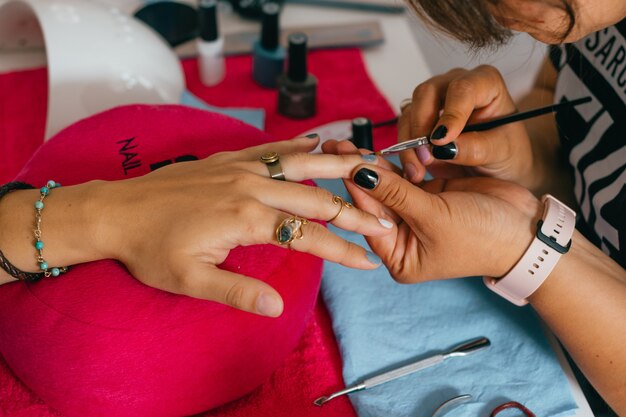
(39, 245)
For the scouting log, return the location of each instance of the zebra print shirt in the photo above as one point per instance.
(593, 135)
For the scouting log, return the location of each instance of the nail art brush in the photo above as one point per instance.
(460, 350)
(491, 124)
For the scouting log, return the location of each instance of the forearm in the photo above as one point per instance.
(70, 227)
(584, 303)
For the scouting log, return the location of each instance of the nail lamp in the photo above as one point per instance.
(97, 57)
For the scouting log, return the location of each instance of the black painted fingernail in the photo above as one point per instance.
(312, 136)
(366, 178)
(448, 151)
(439, 133)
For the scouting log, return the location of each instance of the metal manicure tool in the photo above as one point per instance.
(403, 146)
(479, 127)
(461, 350)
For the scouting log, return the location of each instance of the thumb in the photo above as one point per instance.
(392, 190)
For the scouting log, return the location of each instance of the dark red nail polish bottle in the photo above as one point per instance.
(297, 89)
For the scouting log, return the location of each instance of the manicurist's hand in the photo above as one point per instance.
(446, 228)
(442, 106)
(174, 226)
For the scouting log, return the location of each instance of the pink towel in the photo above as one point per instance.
(345, 92)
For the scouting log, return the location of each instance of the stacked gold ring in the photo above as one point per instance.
(342, 203)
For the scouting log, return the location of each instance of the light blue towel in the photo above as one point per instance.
(254, 117)
(380, 324)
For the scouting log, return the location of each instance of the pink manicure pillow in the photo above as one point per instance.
(96, 342)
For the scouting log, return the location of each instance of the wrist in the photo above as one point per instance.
(553, 239)
(522, 232)
(107, 223)
(68, 227)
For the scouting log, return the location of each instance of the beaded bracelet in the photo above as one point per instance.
(43, 265)
(4, 262)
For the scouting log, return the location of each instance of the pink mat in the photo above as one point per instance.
(345, 92)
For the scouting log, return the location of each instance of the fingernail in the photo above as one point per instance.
(369, 158)
(312, 136)
(423, 154)
(373, 258)
(366, 178)
(448, 151)
(385, 223)
(439, 133)
(269, 305)
(410, 172)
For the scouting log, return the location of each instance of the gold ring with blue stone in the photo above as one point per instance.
(289, 230)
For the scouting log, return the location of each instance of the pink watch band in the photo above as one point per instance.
(553, 238)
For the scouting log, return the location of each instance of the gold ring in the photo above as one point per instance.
(272, 160)
(342, 204)
(404, 103)
(289, 230)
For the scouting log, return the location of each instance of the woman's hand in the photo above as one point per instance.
(449, 228)
(442, 106)
(446, 228)
(185, 219)
(174, 226)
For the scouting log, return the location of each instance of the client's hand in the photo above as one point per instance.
(183, 219)
(445, 228)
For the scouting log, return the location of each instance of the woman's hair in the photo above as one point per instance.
(471, 22)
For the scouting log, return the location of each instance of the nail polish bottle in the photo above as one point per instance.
(362, 136)
(268, 57)
(297, 89)
(210, 45)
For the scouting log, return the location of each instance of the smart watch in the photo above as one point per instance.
(553, 239)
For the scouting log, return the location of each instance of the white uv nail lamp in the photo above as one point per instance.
(97, 57)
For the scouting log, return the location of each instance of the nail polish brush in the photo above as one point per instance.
(461, 350)
(491, 124)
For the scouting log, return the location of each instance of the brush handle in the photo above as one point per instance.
(516, 117)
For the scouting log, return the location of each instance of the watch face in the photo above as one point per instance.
(269, 157)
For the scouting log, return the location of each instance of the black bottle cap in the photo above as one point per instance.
(269, 26)
(362, 133)
(296, 70)
(207, 20)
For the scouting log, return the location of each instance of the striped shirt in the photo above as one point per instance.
(593, 135)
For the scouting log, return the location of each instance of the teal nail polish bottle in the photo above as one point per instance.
(268, 57)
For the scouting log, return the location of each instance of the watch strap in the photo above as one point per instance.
(552, 239)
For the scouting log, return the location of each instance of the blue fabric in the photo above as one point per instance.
(380, 324)
(254, 117)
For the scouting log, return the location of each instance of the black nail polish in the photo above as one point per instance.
(439, 133)
(312, 135)
(366, 178)
(448, 151)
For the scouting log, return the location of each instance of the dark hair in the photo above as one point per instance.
(471, 22)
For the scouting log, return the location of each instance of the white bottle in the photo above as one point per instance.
(210, 45)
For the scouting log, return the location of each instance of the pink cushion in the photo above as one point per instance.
(96, 342)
